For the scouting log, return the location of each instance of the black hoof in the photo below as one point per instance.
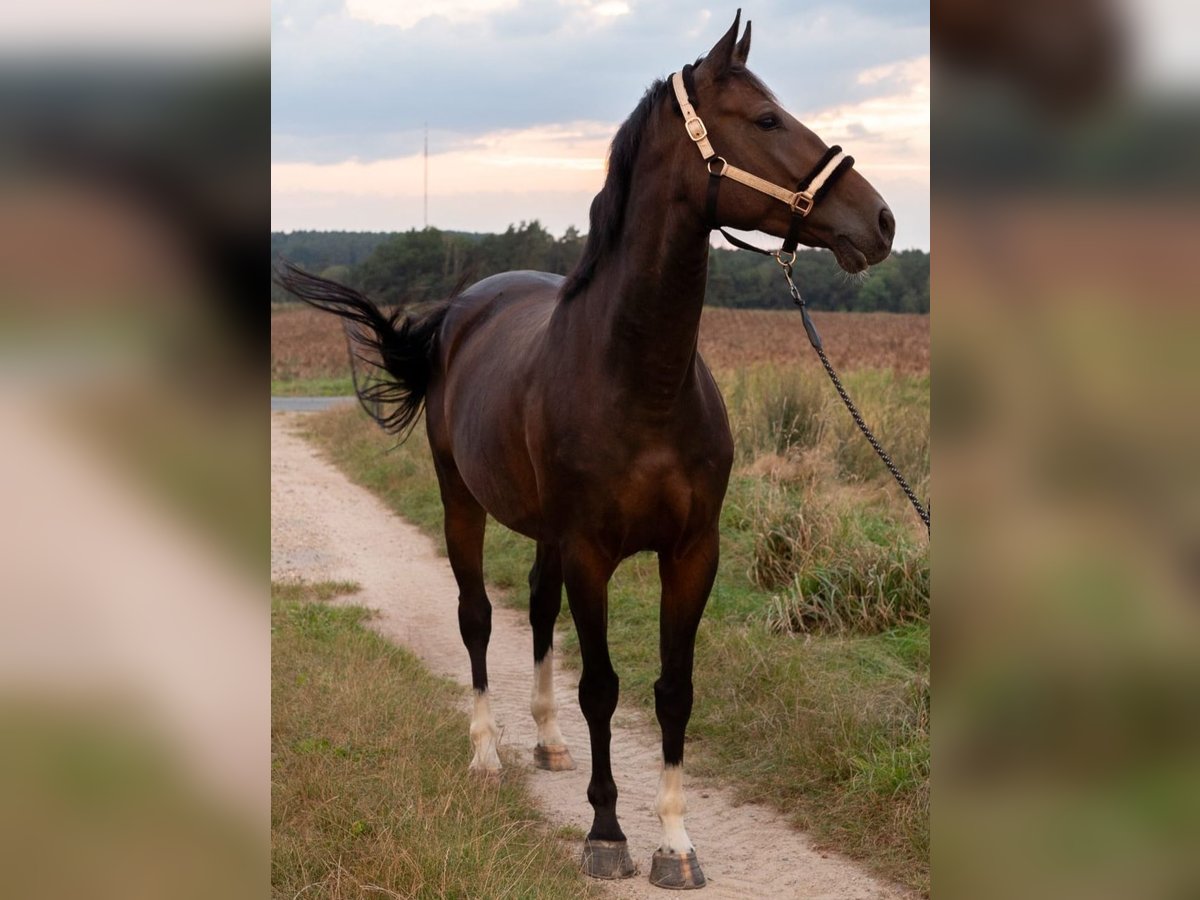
(676, 871)
(607, 859)
(553, 759)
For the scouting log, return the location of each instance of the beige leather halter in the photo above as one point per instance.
(801, 202)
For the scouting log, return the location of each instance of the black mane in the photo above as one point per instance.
(607, 216)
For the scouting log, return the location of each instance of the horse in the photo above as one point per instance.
(579, 412)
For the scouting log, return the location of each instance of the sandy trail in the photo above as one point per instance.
(325, 527)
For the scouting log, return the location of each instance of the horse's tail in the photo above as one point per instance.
(399, 345)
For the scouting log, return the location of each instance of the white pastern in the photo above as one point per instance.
(485, 736)
(543, 705)
(671, 807)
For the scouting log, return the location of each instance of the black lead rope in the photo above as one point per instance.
(815, 339)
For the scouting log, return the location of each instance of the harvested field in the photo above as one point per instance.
(735, 338)
(307, 344)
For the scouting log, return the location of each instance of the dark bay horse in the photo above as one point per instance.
(578, 412)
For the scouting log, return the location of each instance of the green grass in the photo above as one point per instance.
(370, 796)
(312, 387)
(812, 682)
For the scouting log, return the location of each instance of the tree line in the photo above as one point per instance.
(398, 268)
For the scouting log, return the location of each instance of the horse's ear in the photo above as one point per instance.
(719, 60)
(742, 50)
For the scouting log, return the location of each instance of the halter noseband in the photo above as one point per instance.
(801, 201)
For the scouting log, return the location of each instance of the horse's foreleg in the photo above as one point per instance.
(686, 583)
(465, 521)
(586, 572)
(545, 601)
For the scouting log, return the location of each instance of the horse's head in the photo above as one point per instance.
(749, 129)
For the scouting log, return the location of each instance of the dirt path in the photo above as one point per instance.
(325, 527)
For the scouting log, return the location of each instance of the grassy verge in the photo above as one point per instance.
(369, 792)
(812, 688)
(312, 387)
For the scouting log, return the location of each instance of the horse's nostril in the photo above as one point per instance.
(887, 223)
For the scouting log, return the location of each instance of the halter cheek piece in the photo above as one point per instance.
(801, 201)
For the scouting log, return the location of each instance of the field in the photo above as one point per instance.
(813, 688)
(308, 350)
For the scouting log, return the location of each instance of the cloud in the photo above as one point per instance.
(351, 95)
(887, 132)
(566, 157)
(344, 83)
(410, 12)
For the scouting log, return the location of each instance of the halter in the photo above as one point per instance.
(801, 201)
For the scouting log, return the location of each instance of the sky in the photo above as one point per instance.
(521, 100)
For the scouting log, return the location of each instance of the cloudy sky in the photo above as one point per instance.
(522, 98)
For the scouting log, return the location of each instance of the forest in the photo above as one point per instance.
(398, 268)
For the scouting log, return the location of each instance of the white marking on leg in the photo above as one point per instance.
(543, 705)
(485, 736)
(671, 807)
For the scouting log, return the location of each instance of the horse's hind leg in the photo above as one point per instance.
(464, 523)
(545, 601)
(686, 582)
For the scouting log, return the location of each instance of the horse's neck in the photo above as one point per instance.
(648, 300)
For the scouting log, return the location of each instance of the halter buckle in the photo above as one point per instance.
(802, 202)
(695, 128)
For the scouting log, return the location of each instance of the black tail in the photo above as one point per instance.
(399, 345)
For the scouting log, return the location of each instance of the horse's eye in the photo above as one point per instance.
(767, 122)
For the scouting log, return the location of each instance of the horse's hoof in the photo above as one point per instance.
(607, 859)
(676, 871)
(553, 759)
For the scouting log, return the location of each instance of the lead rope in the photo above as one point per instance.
(815, 340)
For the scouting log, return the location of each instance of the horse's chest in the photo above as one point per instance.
(664, 496)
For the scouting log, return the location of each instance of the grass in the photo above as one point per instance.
(369, 792)
(312, 387)
(812, 683)
(871, 592)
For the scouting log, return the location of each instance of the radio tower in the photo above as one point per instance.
(426, 174)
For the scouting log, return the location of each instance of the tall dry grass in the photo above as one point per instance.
(830, 530)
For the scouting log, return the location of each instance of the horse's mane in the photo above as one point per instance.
(607, 216)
